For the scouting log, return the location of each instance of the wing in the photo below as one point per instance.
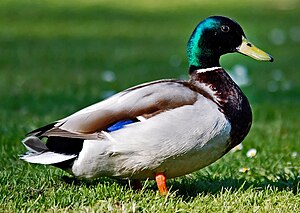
(144, 100)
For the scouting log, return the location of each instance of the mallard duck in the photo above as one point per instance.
(162, 129)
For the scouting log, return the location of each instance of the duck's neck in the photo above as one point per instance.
(201, 54)
(215, 84)
(202, 62)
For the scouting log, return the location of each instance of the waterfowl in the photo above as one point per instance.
(162, 129)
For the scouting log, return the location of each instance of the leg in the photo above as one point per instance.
(161, 183)
(136, 184)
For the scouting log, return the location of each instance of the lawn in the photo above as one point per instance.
(59, 56)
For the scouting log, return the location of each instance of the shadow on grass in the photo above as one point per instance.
(71, 180)
(188, 188)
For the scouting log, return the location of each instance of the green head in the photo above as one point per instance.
(216, 36)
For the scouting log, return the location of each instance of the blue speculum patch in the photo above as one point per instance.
(119, 125)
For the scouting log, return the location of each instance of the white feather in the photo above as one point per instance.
(46, 157)
(109, 137)
(208, 69)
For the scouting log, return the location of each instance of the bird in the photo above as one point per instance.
(157, 130)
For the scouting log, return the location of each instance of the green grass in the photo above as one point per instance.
(52, 54)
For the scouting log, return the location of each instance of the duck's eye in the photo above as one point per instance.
(225, 28)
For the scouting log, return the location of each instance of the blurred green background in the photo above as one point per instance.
(59, 56)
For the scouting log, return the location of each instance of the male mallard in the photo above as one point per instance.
(162, 129)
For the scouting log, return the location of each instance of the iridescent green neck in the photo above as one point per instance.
(199, 55)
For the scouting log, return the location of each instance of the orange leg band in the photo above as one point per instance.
(161, 182)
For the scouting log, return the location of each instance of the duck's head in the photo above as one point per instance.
(216, 36)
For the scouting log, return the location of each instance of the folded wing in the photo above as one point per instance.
(144, 100)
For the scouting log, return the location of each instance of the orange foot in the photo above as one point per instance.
(161, 183)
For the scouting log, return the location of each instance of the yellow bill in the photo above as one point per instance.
(249, 49)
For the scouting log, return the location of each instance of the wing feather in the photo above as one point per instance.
(146, 99)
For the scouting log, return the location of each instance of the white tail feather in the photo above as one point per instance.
(46, 157)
